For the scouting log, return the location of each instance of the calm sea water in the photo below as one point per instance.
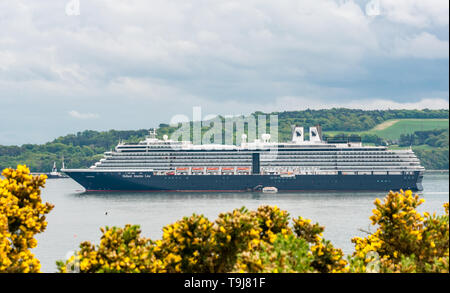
(77, 216)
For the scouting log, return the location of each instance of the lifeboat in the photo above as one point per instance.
(197, 169)
(228, 169)
(243, 169)
(270, 189)
(182, 169)
(212, 169)
(287, 175)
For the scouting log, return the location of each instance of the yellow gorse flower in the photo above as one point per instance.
(21, 204)
(402, 231)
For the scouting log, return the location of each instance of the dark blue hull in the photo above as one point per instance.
(146, 181)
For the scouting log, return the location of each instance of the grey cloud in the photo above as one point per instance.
(132, 58)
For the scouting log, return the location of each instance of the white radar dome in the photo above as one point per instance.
(265, 137)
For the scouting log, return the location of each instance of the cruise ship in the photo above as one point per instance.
(299, 165)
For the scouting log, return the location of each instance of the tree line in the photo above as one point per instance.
(84, 148)
(435, 138)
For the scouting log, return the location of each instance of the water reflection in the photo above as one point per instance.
(149, 196)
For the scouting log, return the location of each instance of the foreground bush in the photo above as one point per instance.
(238, 241)
(262, 241)
(22, 215)
(405, 240)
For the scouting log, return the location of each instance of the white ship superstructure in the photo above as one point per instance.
(300, 165)
(299, 156)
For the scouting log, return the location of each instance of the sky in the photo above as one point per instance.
(71, 65)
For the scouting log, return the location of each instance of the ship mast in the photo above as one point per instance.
(152, 133)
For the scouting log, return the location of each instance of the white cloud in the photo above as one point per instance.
(203, 40)
(418, 13)
(383, 104)
(7, 59)
(424, 45)
(78, 115)
(302, 103)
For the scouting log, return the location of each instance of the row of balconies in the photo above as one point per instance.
(278, 156)
(249, 152)
(181, 164)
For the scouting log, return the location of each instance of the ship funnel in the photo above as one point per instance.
(315, 133)
(297, 134)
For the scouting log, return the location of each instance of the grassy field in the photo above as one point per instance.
(392, 129)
